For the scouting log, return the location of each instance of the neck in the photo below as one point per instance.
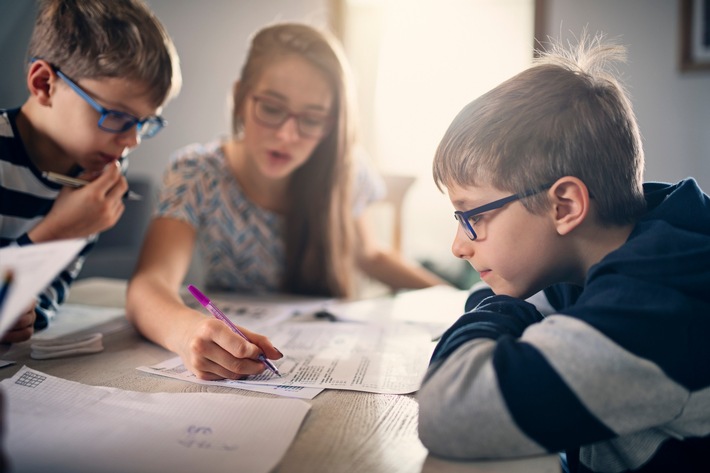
(270, 194)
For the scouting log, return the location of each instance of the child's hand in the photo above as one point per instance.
(23, 328)
(78, 213)
(212, 351)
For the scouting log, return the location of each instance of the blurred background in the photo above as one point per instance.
(416, 64)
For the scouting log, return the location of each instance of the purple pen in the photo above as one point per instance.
(207, 304)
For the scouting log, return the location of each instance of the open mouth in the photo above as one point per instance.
(279, 155)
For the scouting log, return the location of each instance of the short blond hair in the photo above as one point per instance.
(566, 115)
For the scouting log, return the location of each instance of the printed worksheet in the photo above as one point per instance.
(173, 368)
(378, 358)
(83, 428)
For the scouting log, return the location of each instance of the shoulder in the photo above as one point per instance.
(6, 130)
(14, 161)
(10, 142)
(197, 158)
(368, 184)
(197, 154)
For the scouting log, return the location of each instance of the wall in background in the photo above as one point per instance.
(417, 64)
(672, 107)
(211, 39)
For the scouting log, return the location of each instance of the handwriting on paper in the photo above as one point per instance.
(200, 437)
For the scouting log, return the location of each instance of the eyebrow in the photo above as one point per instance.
(467, 204)
(282, 98)
(111, 105)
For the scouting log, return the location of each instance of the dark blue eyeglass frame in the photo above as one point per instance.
(114, 121)
(464, 218)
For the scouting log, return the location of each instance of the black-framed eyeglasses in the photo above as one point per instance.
(469, 218)
(272, 114)
(115, 121)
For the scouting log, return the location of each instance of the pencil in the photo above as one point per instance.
(74, 182)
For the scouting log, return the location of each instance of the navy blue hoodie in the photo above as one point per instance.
(616, 373)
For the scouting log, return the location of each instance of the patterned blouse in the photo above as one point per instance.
(241, 244)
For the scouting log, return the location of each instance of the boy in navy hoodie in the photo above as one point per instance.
(589, 332)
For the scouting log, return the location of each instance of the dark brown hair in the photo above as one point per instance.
(116, 38)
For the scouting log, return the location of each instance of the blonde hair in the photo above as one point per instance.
(116, 38)
(319, 223)
(566, 115)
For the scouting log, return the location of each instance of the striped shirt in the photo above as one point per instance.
(25, 199)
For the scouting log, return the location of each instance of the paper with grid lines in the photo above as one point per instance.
(81, 428)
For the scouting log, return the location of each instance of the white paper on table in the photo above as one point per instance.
(256, 315)
(390, 359)
(435, 308)
(174, 368)
(81, 428)
(378, 358)
(72, 318)
(34, 267)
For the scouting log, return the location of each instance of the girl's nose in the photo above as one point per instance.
(288, 131)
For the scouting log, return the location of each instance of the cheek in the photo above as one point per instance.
(76, 134)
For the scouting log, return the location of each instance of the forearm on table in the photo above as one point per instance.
(463, 414)
(395, 271)
(157, 310)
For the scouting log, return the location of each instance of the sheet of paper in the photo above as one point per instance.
(375, 358)
(435, 308)
(34, 267)
(257, 314)
(73, 318)
(173, 368)
(59, 425)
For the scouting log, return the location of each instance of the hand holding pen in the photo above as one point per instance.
(218, 314)
(78, 213)
(78, 183)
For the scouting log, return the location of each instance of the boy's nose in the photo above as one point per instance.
(462, 247)
(129, 138)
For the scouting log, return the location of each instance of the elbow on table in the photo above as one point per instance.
(438, 428)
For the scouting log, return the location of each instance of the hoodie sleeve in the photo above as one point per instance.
(505, 382)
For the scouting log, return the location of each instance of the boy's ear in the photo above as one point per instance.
(41, 81)
(570, 203)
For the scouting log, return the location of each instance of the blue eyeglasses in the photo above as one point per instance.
(469, 218)
(114, 121)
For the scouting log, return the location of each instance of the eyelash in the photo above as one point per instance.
(475, 219)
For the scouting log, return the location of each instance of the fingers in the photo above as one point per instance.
(215, 352)
(263, 343)
(23, 328)
(111, 182)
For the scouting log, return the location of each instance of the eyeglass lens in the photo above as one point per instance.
(467, 227)
(119, 122)
(274, 115)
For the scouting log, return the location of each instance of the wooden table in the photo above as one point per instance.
(345, 431)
